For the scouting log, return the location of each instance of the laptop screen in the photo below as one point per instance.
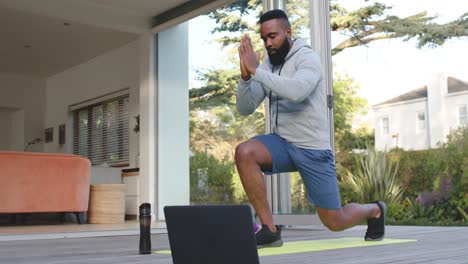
(208, 234)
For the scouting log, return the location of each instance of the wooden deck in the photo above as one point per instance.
(445, 245)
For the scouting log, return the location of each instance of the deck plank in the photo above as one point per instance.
(448, 245)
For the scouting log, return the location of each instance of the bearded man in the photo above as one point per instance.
(292, 79)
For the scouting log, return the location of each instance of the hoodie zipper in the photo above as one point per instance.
(277, 101)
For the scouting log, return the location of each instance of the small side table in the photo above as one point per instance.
(106, 204)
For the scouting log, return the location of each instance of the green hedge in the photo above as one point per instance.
(435, 183)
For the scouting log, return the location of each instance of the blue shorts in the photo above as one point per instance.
(316, 167)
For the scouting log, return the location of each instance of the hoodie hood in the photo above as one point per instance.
(297, 45)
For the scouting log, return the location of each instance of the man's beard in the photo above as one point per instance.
(278, 57)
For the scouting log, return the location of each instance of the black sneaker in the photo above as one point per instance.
(376, 226)
(266, 238)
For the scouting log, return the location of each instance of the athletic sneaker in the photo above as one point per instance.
(266, 238)
(376, 226)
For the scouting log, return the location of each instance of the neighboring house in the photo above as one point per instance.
(422, 118)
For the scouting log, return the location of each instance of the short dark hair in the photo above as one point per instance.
(275, 14)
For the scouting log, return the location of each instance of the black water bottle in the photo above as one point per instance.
(145, 228)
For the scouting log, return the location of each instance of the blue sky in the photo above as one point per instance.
(383, 69)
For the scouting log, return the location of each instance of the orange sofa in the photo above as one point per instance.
(41, 182)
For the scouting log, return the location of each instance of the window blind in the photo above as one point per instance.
(100, 131)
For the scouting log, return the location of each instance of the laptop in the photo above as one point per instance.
(211, 234)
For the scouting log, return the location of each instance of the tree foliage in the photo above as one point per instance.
(347, 103)
(220, 129)
(210, 179)
(456, 158)
(361, 26)
(217, 90)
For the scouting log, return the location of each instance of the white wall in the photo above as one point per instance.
(17, 133)
(5, 128)
(173, 118)
(402, 118)
(110, 72)
(25, 96)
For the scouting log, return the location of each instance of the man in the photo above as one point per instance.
(292, 78)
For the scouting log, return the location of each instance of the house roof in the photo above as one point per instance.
(414, 94)
(453, 86)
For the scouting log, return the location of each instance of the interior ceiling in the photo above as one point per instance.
(141, 7)
(43, 38)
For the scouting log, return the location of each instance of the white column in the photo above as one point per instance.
(320, 39)
(274, 4)
(148, 166)
(436, 93)
(173, 186)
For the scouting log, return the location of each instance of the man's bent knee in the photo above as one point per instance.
(243, 150)
(253, 151)
(331, 219)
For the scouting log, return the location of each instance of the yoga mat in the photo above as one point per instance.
(319, 245)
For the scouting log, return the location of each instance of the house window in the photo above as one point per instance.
(462, 115)
(385, 127)
(421, 121)
(101, 131)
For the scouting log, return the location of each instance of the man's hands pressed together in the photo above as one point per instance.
(249, 59)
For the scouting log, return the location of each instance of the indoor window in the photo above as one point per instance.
(100, 131)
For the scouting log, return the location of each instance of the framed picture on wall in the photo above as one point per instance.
(49, 134)
(62, 134)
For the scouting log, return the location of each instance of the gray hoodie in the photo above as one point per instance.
(298, 103)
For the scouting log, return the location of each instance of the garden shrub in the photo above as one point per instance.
(375, 178)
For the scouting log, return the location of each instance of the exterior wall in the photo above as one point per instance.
(22, 100)
(402, 118)
(110, 72)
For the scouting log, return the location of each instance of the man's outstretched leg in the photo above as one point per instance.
(318, 172)
(251, 158)
(353, 214)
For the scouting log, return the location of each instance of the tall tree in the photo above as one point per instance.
(346, 105)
